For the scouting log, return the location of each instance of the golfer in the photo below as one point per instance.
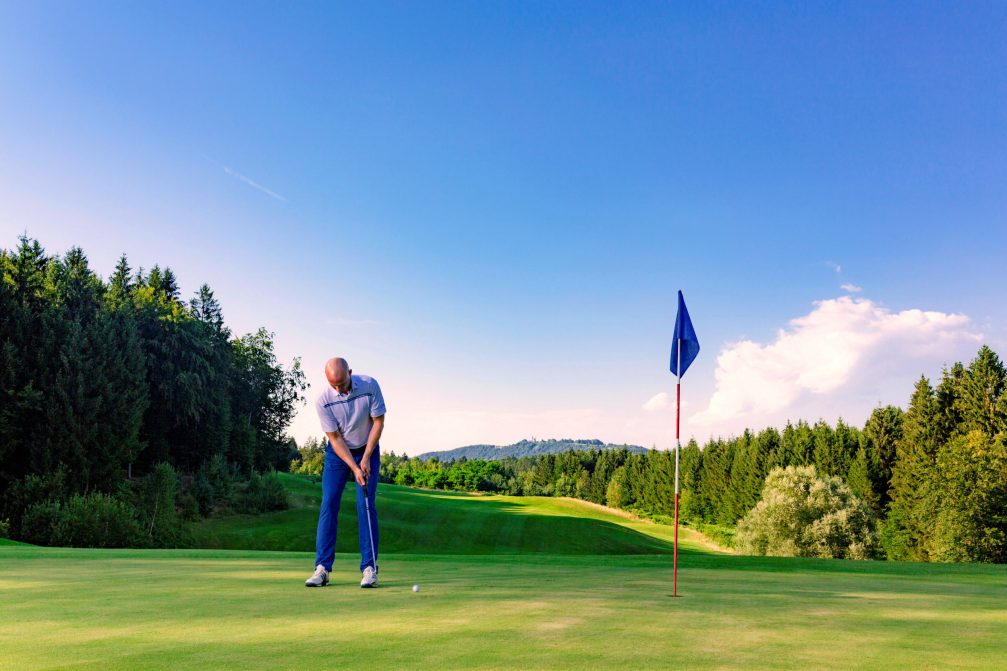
(352, 413)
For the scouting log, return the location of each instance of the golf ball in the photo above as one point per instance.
(416, 588)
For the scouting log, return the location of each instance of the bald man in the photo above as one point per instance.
(352, 412)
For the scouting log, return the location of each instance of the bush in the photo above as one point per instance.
(214, 485)
(155, 503)
(90, 521)
(262, 493)
(803, 515)
(4, 528)
(202, 492)
(723, 536)
(26, 492)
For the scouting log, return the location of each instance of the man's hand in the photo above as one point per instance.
(365, 465)
(360, 476)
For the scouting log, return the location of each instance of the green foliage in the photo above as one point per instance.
(311, 457)
(29, 490)
(890, 467)
(979, 399)
(92, 520)
(262, 494)
(880, 439)
(803, 515)
(861, 478)
(719, 534)
(103, 381)
(616, 495)
(155, 504)
(971, 521)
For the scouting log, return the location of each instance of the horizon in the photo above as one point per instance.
(489, 209)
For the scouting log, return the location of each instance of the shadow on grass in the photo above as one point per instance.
(418, 521)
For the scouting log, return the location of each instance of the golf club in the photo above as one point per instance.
(370, 529)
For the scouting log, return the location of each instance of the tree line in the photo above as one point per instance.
(933, 477)
(104, 383)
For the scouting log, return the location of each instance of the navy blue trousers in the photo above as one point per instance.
(335, 475)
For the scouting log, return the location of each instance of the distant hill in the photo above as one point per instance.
(525, 448)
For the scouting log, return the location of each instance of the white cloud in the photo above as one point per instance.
(658, 401)
(834, 266)
(852, 288)
(841, 359)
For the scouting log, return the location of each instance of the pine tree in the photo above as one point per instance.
(797, 444)
(860, 479)
(691, 504)
(971, 512)
(981, 390)
(153, 280)
(169, 285)
(206, 309)
(120, 286)
(881, 435)
(912, 498)
(949, 405)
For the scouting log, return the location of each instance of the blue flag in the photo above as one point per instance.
(686, 335)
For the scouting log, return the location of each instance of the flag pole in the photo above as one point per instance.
(678, 449)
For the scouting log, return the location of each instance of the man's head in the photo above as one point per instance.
(338, 372)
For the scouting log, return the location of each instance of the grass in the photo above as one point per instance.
(419, 521)
(519, 608)
(198, 609)
(7, 541)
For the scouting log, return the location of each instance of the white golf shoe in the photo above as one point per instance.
(319, 579)
(369, 578)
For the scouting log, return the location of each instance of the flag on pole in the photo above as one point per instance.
(684, 349)
(685, 337)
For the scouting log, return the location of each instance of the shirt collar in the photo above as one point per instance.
(348, 391)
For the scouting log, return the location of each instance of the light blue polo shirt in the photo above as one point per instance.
(352, 413)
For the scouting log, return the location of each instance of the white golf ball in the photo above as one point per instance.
(416, 588)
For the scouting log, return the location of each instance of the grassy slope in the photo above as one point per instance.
(428, 522)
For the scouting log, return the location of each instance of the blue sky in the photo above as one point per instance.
(490, 206)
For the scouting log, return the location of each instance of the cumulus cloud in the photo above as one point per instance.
(852, 288)
(658, 401)
(840, 359)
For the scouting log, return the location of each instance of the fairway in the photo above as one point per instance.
(123, 609)
(417, 521)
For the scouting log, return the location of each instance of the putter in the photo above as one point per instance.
(370, 530)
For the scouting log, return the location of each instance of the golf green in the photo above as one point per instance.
(491, 596)
(157, 609)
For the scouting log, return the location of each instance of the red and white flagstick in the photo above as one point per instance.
(678, 448)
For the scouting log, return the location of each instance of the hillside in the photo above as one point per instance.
(416, 521)
(426, 522)
(526, 448)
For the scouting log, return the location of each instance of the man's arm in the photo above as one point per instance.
(343, 452)
(372, 442)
